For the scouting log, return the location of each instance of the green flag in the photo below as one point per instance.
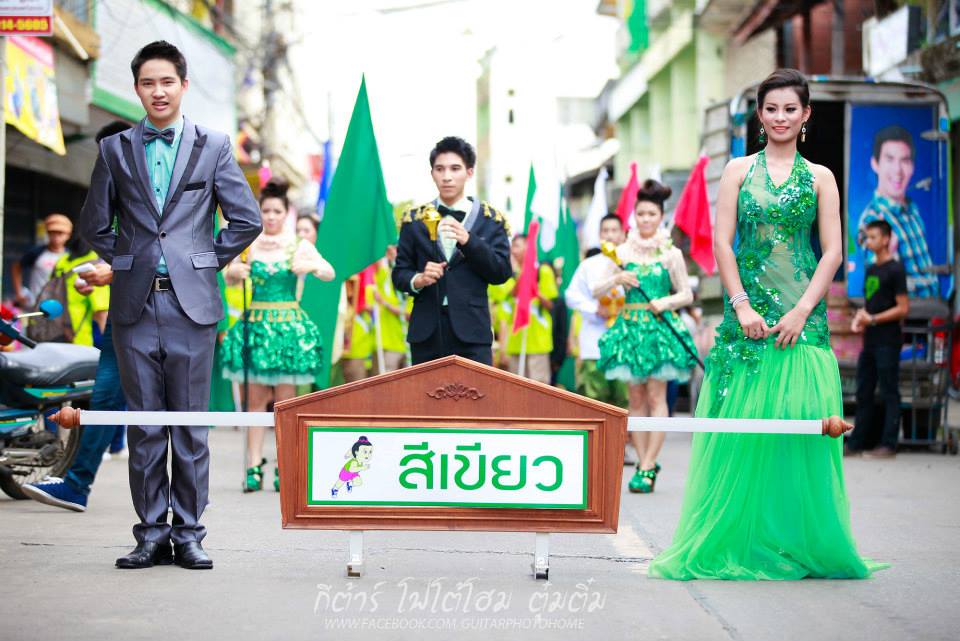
(357, 225)
(567, 247)
(531, 190)
(637, 26)
(549, 255)
(221, 390)
(565, 244)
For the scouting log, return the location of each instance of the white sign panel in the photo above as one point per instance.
(26, 7)
(26, 17)
(887, 41)
(124, 26)
(399, 466)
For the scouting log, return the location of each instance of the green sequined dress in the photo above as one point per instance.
(639, 345)
(284, 344)
(765, 506)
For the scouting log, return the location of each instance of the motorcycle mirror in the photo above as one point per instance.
(51, 308)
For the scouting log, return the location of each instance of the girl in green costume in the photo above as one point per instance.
(768, 506)
(283, 345)
(639, 348)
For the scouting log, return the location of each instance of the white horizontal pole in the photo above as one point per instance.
(236, 419)
(634, 423)
(733, 425)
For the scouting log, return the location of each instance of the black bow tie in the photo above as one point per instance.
(167, 135)
(456, 213)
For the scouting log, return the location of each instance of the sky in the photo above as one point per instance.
(421, 60)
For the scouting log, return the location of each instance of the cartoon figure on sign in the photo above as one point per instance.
(358, 460)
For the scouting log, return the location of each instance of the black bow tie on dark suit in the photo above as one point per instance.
(456, 213)
(167, 135)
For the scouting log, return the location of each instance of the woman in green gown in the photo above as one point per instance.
(767, 506)
(640, 348)
(282, 344)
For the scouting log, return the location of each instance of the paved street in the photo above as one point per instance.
(60, 582)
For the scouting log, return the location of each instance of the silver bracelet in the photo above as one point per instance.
(736, 299)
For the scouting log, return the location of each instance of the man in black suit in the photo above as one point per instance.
(448, 277)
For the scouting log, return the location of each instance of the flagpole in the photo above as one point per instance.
(402, 301)
(379, 337)
(523, 352)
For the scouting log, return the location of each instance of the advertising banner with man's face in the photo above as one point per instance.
(898, 175)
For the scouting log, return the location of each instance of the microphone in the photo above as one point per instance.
(49, 308)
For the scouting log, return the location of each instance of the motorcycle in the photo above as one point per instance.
(45, 377)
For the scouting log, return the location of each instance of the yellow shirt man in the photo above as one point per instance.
(539, 332)
(391, 310)
(83, 310)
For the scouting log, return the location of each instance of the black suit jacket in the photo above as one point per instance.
(483, 261)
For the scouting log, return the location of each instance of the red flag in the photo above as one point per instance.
(527, 285)
(693, 216)
(628, 197)
(365, 280)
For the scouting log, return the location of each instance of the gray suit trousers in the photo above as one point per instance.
(165, 361)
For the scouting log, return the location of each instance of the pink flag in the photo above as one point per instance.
(693, 217)
(527, 285)
(628, 197)
(264, 174)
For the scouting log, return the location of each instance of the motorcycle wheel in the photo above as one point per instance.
(11, 478)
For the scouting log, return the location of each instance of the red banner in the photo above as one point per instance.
(26, 25)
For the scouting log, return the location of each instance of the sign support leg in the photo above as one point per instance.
(355, 564)
(541, 556)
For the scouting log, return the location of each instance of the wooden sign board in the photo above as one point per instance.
(450, 445)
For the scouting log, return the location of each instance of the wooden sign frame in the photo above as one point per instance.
(452, 393)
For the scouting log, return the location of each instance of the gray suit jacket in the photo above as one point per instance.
(205, 176)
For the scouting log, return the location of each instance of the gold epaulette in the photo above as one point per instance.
(415, 214)
(490, 212)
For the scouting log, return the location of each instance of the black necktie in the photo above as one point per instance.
(456, 213)
(149, 135)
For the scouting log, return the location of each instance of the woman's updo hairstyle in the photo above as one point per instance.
(654, 192)
(276, 187)
(782, 79)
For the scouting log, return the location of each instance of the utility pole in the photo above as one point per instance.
(837, 41)
(274, 52)
(3, 142)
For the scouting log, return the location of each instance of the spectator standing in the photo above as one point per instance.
(885, 305)
(38, 263)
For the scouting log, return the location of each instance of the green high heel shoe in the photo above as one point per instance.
(643, 481)
(276, 478)
(254, 481)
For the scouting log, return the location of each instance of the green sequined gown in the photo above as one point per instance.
(763, 506)
(639, 345)
(284, 344)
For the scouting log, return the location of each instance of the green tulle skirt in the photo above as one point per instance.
(763, 506)
(284, 348)
(641, 346)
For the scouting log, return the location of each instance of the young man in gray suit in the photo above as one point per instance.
(150, 213)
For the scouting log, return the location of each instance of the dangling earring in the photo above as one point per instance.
(803, 133)
(763, 136)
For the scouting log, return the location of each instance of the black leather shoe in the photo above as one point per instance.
(146, 555)
(191, 556)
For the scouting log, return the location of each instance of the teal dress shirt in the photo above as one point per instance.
(161, 158)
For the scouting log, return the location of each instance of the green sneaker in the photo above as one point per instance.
(254, 481)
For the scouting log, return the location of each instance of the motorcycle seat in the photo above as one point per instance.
(50, 365)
